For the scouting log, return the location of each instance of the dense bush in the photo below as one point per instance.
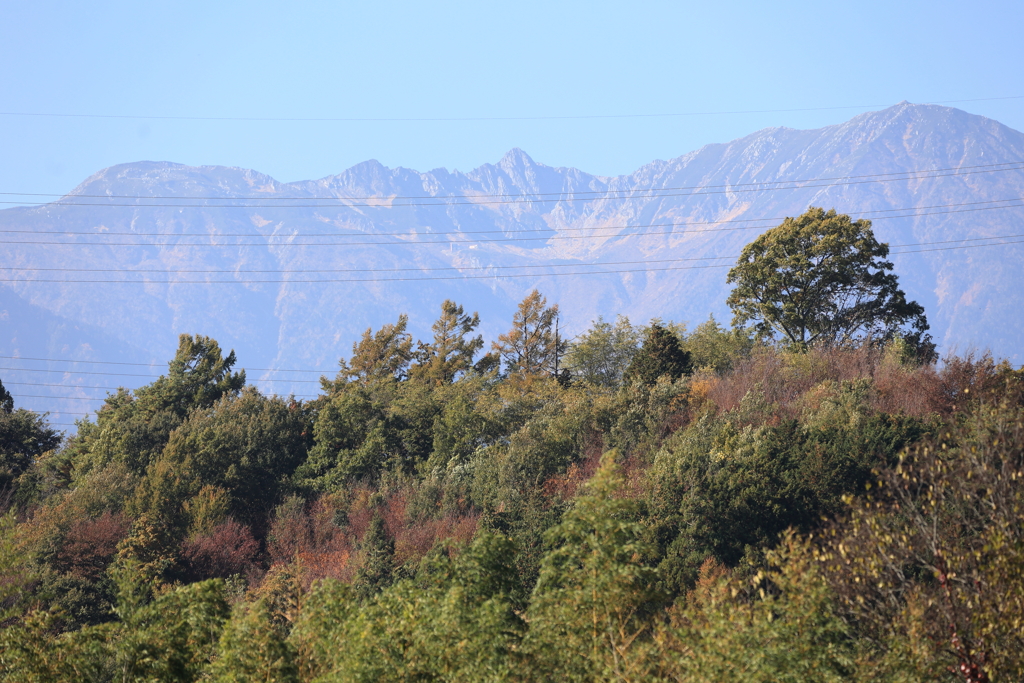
(684, 506)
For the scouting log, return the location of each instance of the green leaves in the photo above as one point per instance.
(454, 623)
(660, 356)
(450, 354)
(384, 355)
(779, 627)
(531, 346)
(601, 355)
(821, 278)
(246, 446)
(589, 614)
(252, 648)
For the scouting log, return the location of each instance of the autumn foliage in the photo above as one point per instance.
(672, 504)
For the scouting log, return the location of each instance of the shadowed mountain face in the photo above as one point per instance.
(383, 233)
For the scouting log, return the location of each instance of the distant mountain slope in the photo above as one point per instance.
(474, 224)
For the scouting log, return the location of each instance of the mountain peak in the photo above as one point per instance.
(516, 158)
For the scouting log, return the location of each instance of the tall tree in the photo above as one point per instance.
(661, 354)
(601, 355)
(376, 572)
(24, 436)
(382, 355)
(198, 376)
(822, 278)
(133, 427)
(6, 401)
(590, 610)
(532, 346)
(450, 353)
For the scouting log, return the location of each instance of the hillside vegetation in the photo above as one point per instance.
(669, 505)
(636, 504)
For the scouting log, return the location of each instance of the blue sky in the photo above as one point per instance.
(389, 60)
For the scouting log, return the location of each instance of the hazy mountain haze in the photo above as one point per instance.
(282, 320)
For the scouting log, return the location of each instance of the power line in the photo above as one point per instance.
(516, 194)
(108, 362)
(329, 281)
(421, 279)
(104, 398)
(474, 277)
(968, 246)
(127, 374)
(387, 203)
(477, 118)
(70, 361)
(432, 269)
(506, 240)
(450, 242)
(481, 232)
(18, 395)
(65, 386)
(372, 270)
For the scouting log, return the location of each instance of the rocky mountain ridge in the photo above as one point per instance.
(155, 231)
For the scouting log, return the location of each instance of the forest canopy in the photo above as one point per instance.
(635, 503)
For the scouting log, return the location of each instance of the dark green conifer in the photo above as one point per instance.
(661, 354)
(377, 571)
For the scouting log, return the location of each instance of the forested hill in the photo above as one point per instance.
(685, 506)
(312, 264)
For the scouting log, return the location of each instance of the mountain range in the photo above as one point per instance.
(290, 274)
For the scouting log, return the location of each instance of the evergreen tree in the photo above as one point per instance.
(6, 401)
(661, 355)
(531, 347)
(133, 427)
(376, 572)
(253, 648)
(380, 356)
(450, 353)
(590, 613)
(197, 378)
(24, 437)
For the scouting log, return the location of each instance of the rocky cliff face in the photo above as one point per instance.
(383, 233)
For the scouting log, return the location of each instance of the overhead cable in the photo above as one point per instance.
(73, 195)
(110, 362)
(293, 119)
(470, 277)
(387, 202)
(436, 269)
(448, 243)
(335, 234)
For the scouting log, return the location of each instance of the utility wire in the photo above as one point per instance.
(72, 195)
(126, 374)
(437, 269)
(452, 277)
(477, 118)
(482, 232)
(387, 203)
(104, 398)
(372, 270)
(450, 242)
(70, 386)
(333, 280)
(146, 365)
(463, 277)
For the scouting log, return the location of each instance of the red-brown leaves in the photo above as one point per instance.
(229, 548)
(90, 545)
